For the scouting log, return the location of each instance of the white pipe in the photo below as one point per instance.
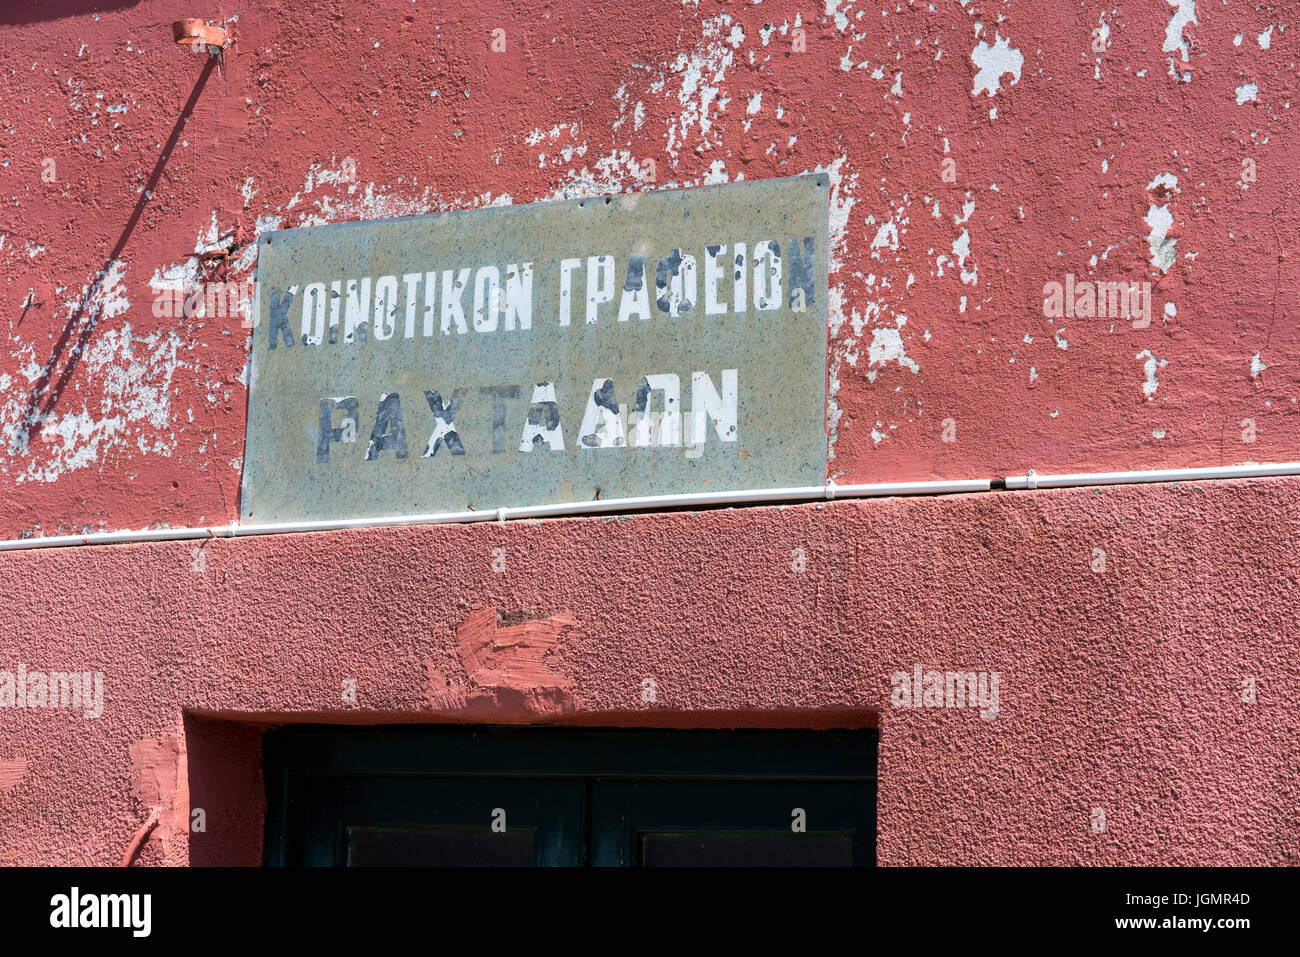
(808, 493)
(1076, 479)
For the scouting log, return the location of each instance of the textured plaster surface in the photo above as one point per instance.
(1120, 689)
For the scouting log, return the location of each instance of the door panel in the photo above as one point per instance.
(518, 797)
(744, 849)
(715, 823)
(439, 847)
(448, 818)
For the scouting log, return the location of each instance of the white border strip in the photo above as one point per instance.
(809, 493)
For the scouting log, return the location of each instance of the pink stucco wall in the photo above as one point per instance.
(1109, 141)
(977, 151)
(1119, 690)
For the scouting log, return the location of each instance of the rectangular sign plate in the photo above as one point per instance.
(604, 348)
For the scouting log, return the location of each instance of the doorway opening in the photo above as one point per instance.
(559, 796)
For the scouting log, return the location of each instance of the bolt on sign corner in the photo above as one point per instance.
(559, 352)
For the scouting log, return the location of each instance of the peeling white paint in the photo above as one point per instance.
(842, 200)
(842, 187)
(886, 237)
(887, 346)
(1163, 252)
(132, 377)
(703, 72)
(1184, 13)
(994, 62)
(961, 249)
(1150, 367)
(607, 175)
(841, 17)
(1104, 29)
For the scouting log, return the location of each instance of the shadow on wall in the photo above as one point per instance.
(224, 761)
(17, 12)
(37, 410)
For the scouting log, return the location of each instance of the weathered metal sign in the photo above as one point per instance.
(558, 352)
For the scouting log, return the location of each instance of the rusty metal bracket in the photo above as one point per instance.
(200, 36)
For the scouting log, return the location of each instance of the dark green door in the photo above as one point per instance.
(518, 797)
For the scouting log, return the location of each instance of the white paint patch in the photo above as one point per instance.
(887, 346)
(841, 18)
(703, 72)
(1184, 13)
(842, 200)
(107, 299)
(345, 174)
(1257, 365)
(994, 62)
(1163, 252)
(886, 237)
(609, 174)
(1150, 366)
(1104, 29)
(357, 204)
(841, 205)
(537, 134)
(839, 353)
(132, 377)
(1247, 93)
(961, 249)
(1266, 38)
(716, 174)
